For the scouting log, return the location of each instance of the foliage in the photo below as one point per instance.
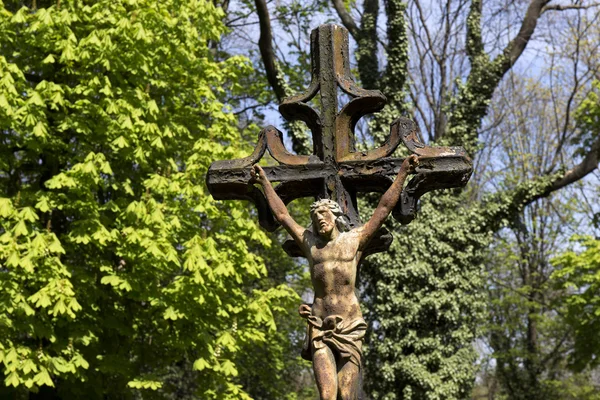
(575, 387)
(276, 370)
(116, 264)
(425, 296)
(588, 118)
(579, 274)
(525, 335)
(579, 268)
(527, 339)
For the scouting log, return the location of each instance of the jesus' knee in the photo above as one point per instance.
(327, 394)
(348, 381)
(325, 373)
(348, 393)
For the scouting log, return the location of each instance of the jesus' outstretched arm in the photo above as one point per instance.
(387, 202)
(279, 209)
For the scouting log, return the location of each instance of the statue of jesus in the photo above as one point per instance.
(336, 327)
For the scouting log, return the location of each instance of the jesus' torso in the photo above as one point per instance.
(333, 267)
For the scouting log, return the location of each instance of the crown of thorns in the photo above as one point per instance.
(332, 205)
(341, 220)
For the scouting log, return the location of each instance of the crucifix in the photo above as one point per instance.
(337, 240)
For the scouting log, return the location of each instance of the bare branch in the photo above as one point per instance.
(560, 7)
(515, 48)
(503, 206)
(346, 18)
(587, 165)
(574, 90)
(251, 107)
(265, 44)
(430, 41)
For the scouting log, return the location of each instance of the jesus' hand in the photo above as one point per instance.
(258, 175)
(410, 164)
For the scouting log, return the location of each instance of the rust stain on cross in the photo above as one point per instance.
(336, 170)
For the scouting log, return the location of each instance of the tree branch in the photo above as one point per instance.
(501, 207)
(515, 48)
(396, 72)
(265, 44)
(474, 45)
(366, 54)
(252, 107)
(428, 36)
(470, 105)
(553, 353)
(586, 166)
(300, 142)
(560, 7)
(346, 18)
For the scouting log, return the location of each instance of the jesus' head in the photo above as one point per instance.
(327, 215)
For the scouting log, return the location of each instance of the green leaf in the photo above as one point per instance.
(40, 130)
(43, 378)
(28, 214)
(12, 379)
(79, 361)
(6, 208)
(145, 384)
(170, 314)
(228, 368)
(49, 59)
(20, 229)
(201, 364)
(43, 204)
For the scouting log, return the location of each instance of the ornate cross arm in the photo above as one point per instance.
(336, 170)
(307, 176)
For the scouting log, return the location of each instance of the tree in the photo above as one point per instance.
(579, 274)
(527, 334)
(116, 266)
(525, 331)
(276, 370)
(578, 269)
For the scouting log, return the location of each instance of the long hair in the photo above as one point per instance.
(342, 222)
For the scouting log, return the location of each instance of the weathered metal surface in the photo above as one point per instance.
(336, 170)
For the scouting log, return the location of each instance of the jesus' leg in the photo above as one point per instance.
(348, 381)
(325, 373)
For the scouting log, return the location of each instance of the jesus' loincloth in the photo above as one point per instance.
(344, 338)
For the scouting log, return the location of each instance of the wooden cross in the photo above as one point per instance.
(336, 170)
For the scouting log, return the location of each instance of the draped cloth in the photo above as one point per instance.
(343, 337)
